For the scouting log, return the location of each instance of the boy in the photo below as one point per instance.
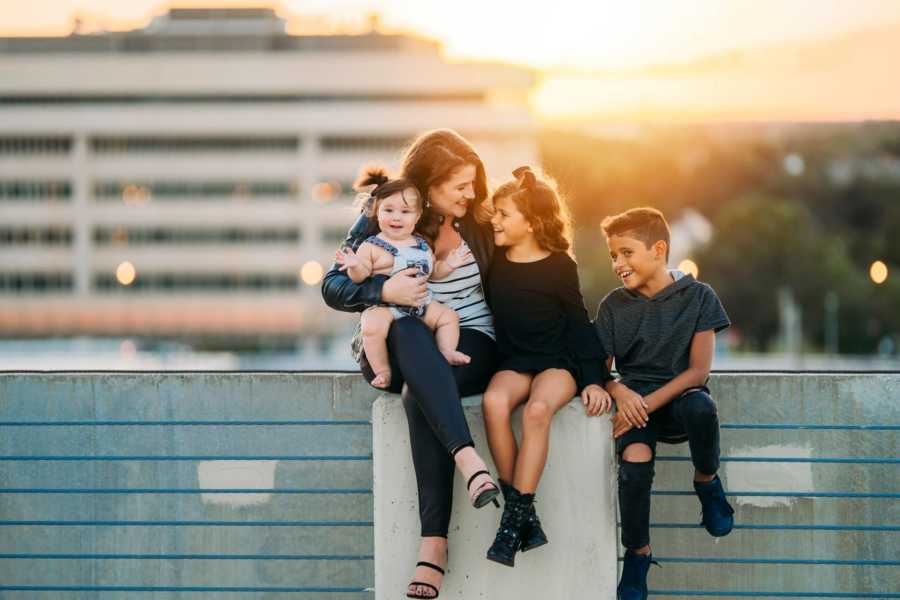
(660, 328)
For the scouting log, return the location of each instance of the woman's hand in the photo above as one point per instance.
(632, 407)
(405, 288)
(596, 400)
(347, 258)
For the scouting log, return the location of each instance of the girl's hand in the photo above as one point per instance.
(595, 399)
(458, 256)
(632, 407)
(620, 424)
(347, 258)
(405, 288)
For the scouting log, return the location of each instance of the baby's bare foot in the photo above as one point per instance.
(454, 357)
(382, 380)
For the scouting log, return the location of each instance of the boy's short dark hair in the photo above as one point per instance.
(644, 223)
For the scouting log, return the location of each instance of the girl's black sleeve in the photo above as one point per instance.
(338, 290)
(583, 341)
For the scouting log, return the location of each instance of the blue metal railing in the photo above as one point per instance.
(879, 562)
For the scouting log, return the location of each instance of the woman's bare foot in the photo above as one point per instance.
(382, 380)
(455, 357)
(432, 550)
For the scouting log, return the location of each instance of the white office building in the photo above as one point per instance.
(191, 178)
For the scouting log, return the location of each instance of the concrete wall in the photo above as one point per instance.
(259, 485)
(576, 503)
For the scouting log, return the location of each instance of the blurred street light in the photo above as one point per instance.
(125, 273)
(689, 267)
(325, 191)
(794, 164)
(878, 272)
(311, 273)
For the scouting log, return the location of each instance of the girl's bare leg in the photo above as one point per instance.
(376, 321)
(551, 390)
(445, 323)
(506, 391)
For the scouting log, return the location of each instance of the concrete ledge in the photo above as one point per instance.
(576, 503)
(815, 453)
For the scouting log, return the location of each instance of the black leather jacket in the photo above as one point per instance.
(340, 293)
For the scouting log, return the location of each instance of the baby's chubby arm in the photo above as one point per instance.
(358, 265)
(454, 260)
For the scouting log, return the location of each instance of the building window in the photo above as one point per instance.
(37, 236)
(383, 143)
(35, 145)
(22, 190)
(140, 236)
(35, 282)
(195, 190)
(332, 236)
(198, 282)
(175, 145)
(245, 99)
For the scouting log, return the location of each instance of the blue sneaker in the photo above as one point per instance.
(718, 516)
(633, 585)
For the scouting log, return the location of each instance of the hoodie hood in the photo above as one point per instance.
(682, 281)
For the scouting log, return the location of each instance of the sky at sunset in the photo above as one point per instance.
(672, 60)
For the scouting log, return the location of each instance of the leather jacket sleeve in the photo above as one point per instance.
(338, 290)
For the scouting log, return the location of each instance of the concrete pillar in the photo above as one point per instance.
(576, 503)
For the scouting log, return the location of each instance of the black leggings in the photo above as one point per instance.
(431, 398)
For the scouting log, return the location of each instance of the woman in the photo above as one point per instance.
(450, 176)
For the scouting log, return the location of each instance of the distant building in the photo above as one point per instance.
(213, 153)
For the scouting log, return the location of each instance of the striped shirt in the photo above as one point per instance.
(461, 290)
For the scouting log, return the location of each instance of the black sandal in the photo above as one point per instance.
(437, 592)
(487, 496)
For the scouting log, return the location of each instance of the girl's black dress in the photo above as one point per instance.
(540, 319)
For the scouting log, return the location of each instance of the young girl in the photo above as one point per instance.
(397, 206)
(548, 350)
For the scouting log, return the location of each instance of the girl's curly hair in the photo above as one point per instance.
(542, 207)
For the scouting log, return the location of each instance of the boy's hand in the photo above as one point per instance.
(347, 258)
(595, 399)
(632, 407)
(458, 256)
(620, 424)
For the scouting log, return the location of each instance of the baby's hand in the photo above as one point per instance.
(347, 258)
(458, 256)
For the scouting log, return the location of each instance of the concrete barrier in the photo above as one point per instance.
(576, 503)
(111, 485)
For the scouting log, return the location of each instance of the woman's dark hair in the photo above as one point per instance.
(542, 207)
(384, 186)
(431, 160)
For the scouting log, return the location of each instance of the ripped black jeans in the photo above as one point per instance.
(691, 417)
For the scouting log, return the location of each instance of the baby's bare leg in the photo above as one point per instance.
(445, 323)
(376, 321)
